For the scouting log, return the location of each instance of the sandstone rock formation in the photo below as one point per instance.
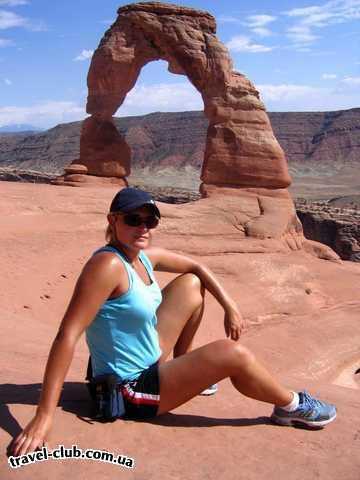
(243, 160)
(241, 149)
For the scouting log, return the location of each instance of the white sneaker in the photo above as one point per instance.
(210, 390)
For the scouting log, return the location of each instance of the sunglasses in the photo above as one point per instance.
(135, 220)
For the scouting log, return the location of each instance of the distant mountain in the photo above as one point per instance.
(19, 128)
(313, 142)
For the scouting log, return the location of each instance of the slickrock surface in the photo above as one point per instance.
(302, 316)
(241, 149)
(336, 227)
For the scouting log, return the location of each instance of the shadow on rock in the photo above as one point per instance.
(74, 399)
(185, 420)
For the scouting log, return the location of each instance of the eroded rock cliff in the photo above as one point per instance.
(177, 140)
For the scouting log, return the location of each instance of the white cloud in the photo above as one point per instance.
(259, 20)
(316, 16)
(84, 55)
(351, 81)
(240, 43)
(349, 85)
(10, 20)
(143, 99)
(301, 12)
(227, 19)
(172, 97)
(13, 3)
(4, 42)
(42, 115)
(262, 32)
(302, 49)
(334, 11)
(328, 76)
(286, 91)
(258, 23)
(301, 98)
(7, 81)
(320, 16)
(301, 34)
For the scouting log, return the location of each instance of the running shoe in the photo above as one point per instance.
(310, 412)
(210, 391)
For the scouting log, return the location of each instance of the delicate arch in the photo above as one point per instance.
(241, 149)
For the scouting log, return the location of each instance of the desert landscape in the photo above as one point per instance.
(322, 150)
(269, 203)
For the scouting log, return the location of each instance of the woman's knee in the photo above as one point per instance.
(193, 285)
(243, 355)
(233, 355)
(192, 280)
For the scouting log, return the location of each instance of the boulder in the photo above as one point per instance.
(76, 168)
(79, 180)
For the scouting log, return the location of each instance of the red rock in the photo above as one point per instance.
(79, 180)
(241, 148)
(76, 168)
(103, 150)
(307, 341)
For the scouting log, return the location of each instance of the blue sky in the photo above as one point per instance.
(302, 56)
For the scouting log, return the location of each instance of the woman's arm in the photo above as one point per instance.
(166, 261)
(98, 279)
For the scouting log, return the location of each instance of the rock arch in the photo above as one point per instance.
(241, 150)
(244, 172)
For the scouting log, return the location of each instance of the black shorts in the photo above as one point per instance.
(142, 396)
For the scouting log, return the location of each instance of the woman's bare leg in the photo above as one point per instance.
(180, 314)
(186, 376)
(190, 372)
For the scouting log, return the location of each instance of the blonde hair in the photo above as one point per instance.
(109, 234)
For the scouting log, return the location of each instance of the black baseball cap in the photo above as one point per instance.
(130, 198)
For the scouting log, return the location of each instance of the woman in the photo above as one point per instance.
(132, 327)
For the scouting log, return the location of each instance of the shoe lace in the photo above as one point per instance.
(310, 402)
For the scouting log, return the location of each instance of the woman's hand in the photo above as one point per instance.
(33, 436)
(234, 323)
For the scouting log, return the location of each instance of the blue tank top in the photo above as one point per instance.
(122, 338)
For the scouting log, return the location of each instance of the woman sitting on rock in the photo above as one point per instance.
(132, 327)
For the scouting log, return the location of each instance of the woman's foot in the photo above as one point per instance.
(311, 412)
